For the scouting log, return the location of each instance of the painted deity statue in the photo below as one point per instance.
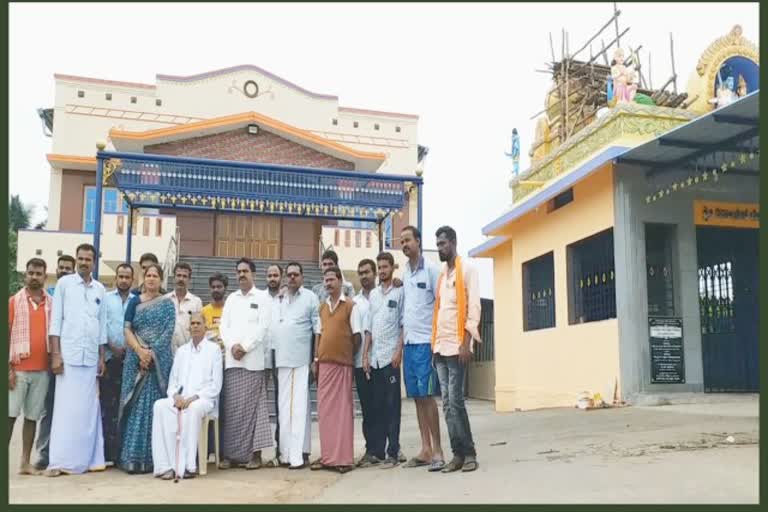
(741, 89)
(725, 93)
(623, 79)
(514, 154)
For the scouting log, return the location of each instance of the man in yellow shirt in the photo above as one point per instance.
(212, 312)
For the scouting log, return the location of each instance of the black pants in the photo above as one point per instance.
(44, 432)
(385, 428)
(109, 396)
(365, 395)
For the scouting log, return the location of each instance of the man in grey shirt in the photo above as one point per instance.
(330, 260)
(298, 327)
(382, 356)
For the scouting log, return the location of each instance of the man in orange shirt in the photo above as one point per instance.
(28, 315)
(455, 322)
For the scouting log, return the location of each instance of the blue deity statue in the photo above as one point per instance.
(515, 153)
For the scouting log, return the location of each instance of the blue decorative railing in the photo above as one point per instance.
(158, 181)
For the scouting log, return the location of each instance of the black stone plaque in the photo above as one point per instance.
(667, 361)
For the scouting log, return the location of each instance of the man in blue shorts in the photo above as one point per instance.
(420, 283)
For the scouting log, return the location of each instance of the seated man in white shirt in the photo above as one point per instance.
(193, 392)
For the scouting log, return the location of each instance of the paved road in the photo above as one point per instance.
(669, 454)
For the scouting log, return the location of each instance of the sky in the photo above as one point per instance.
(468, 71)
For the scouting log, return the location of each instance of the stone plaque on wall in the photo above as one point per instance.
(667, 358)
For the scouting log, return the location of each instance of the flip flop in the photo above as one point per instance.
(317, 465)
(415, 462)
(470, 465)
(253, 465)
(454, 465)
(436, 465)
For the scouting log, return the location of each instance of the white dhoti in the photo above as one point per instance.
(165, 423)
(295, 414)
(77, 440)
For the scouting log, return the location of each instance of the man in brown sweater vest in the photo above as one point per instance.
(333, 369)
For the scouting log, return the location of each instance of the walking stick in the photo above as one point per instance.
(178, 441)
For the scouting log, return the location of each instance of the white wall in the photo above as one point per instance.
(113, 245)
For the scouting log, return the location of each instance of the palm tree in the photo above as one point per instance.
(19, 215)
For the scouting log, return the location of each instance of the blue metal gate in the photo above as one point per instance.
(728, 308)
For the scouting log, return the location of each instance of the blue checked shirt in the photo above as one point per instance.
(420, 285)
(79, 318)
(385, 322)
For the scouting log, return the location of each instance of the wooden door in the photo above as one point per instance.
(253, 236)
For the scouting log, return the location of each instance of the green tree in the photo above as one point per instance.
(19, 215)
(15, 281)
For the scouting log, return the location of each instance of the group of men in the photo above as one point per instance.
(421, 328)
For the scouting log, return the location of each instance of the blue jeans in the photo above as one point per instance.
(451, 374)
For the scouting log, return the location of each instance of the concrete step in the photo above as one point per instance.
(204, 267)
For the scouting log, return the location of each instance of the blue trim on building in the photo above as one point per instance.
(487, 246)
(559, 186)
(148, 157)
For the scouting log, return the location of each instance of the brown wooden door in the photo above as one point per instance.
(253, 236)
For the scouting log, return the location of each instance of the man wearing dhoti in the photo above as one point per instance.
(193, 393)
(78, 338)
(333, 368)
(297, 327)
(245, 425)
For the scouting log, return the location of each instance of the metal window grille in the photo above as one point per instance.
(539, 293)
(716, 298)
(484, 352)
(659, 269)
(592, 279)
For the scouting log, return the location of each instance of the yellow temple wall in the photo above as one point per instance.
(550, 367)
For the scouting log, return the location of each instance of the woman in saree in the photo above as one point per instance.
(149, 322)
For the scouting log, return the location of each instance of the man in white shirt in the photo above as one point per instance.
(186, 303)
(193, 393)
(245, 322)
(296, 328)
(273, 290)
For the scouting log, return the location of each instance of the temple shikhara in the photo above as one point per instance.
(626, 267)
(228, 163)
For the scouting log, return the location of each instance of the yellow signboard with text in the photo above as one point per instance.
(731, 215)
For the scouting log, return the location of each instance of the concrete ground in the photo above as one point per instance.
(691, 453)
